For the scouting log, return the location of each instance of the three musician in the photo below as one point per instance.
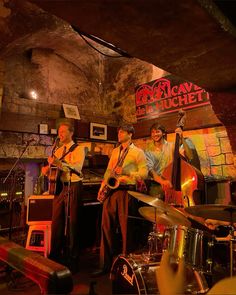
(69, 159)
(127, 166)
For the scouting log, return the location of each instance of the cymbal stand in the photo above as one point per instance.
(153, 240)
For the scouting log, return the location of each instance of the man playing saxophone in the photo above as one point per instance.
(126, 167)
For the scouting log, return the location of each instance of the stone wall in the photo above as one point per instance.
(96, 88)
(212, 145)
(38, 147)
(214, 151)
(101, 87)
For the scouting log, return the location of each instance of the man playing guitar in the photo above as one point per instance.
(69, 159)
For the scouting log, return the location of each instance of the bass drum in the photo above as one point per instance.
(133, 274)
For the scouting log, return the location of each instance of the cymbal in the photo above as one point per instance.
(168, 218)
(152, 201)
(214, 211)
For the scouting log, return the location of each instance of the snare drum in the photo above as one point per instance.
(193, 244)
(132, 274)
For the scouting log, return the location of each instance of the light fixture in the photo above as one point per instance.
(33, 94)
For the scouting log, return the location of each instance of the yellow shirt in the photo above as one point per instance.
(134, 165)
(75, 159)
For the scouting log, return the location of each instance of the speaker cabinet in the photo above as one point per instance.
(39, 209)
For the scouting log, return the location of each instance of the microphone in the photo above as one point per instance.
(57, 138)
(55, 144)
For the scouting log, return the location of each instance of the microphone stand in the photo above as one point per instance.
(67, 221)
(11, 195)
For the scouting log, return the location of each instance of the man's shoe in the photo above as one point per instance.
(73, 265)
(100, 272)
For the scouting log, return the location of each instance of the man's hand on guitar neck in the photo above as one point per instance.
(64, 166)
(52, 161)
(55, 162)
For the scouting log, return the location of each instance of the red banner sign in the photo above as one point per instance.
(167, 95)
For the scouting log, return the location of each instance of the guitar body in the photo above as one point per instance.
(54, 183)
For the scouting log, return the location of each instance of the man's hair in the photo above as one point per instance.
(157, 126)
(126, 127)
(69, 125)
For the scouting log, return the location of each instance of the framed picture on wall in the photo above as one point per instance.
(98, 131)
(71, 111)
(43, 128)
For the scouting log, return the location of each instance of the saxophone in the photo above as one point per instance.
(112, 182)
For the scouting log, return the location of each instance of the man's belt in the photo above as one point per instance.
(66, 183)
(127, 187)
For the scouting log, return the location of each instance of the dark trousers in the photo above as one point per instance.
(114, 213)
(66, 242)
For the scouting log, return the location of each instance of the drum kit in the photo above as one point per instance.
(184, 235)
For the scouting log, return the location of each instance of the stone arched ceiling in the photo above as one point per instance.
(192, 39)
(189, 38)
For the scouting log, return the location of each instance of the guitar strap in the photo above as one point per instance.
(69, 151)
(56, 184)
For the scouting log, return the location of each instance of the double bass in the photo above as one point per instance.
(187, 181)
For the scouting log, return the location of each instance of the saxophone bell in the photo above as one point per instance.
(113, 182)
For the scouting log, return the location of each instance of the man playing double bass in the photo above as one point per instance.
(159, 154)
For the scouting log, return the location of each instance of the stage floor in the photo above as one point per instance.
(13, 282)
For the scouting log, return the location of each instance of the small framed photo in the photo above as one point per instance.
(43, 128)
(98, 131)
(71, 111)
(53, 131)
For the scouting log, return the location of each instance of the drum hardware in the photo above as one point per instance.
(155, 240)
(221, 213)
(192, 244)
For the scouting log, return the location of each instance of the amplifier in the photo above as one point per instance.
(39, 209)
